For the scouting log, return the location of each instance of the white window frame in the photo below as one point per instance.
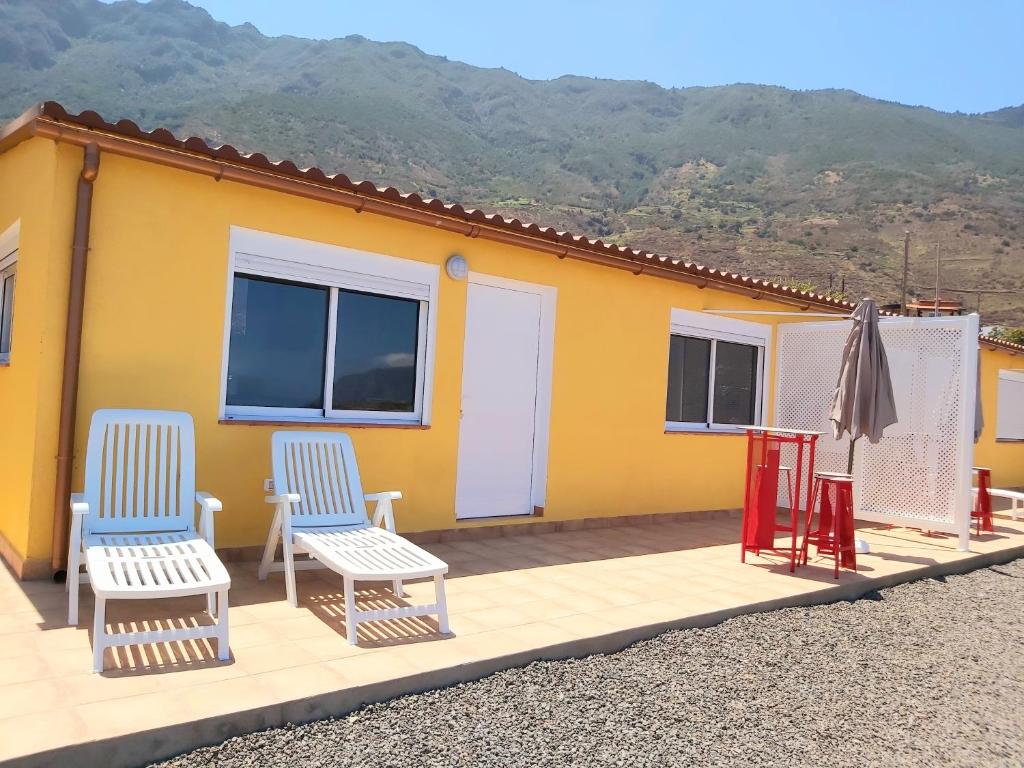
(8, 267)
(1010, 394)
(337, 268)
(684, 322)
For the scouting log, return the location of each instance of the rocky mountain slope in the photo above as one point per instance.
(816, 187)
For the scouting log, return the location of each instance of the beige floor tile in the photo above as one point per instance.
(327, 648)
(372, 668)
(475, 601)
(87, 687)
(248, 635)
(20, 669)
(31, 696)
(583, 625)
(116, 717)
(222, 698)
(465, 624)
(500, 617)
(29, 733)
(300, 682)
(543, 610)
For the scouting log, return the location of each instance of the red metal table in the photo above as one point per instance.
(765, 449)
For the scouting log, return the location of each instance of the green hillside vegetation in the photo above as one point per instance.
(807, 186)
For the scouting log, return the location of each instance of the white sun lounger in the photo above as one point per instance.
(134, 527)
(1016, 499)
(321, 512)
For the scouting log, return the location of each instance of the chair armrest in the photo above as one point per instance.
(283, 498)
(208, 503)
(207, 506)
(395, 495)
(79, 506)
(383, 512)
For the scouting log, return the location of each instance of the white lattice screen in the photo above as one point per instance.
(920, 472)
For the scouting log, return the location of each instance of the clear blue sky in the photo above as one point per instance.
(965, 55)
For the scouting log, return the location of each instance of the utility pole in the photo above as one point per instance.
(906, 268)
(938, 265)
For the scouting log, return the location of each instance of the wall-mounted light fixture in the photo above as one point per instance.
(456, 267)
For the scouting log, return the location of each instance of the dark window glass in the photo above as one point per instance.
(375, 353)
(6, 313)
(278, 345)
(735, 383)
(689, 361)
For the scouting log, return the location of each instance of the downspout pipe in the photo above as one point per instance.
(72, 358)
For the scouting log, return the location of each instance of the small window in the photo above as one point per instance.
(279, 359)
(8, 278)
(689, 371)
(375, 351)
(319, 332)
(1010, 405)
(715, 372)
(278, 346)
(735, 383)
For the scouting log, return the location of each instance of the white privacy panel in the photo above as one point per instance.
(806, 371)
(919, 473)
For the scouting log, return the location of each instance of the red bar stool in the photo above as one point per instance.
(982, 511)
(834, 534)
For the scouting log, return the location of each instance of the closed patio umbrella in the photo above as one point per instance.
(863, 403)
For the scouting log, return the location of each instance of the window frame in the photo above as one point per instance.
(715, 328)
(1012, 378)
(9, 268)
(278, 257)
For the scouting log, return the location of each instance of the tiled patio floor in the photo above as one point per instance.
(512, 600)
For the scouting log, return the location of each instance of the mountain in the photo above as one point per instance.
(801, 185)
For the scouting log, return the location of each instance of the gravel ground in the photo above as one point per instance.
(924, 674)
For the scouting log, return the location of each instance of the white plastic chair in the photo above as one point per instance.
(134, 527)
(321, 511)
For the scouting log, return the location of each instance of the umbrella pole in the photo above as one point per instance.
(849, 460)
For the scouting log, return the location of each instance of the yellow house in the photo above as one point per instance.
(497, 373)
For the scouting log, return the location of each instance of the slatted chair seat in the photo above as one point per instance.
(153, 565)
(134, 527)
(368, 553)
(320, 510)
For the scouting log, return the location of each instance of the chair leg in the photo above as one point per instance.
(810, 518)
(270, 549)
(211, 605)
(289, 573)
(99, 633)
(351, 621)
(73, 583)
(223, 649)
(442, 604)
(397, 588)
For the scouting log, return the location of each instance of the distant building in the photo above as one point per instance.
(932, 308)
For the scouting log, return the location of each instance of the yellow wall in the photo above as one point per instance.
(1004, 458)
(154, 321)
(160, 251)
(38, 189)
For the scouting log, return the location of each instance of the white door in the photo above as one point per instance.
(504, 396)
